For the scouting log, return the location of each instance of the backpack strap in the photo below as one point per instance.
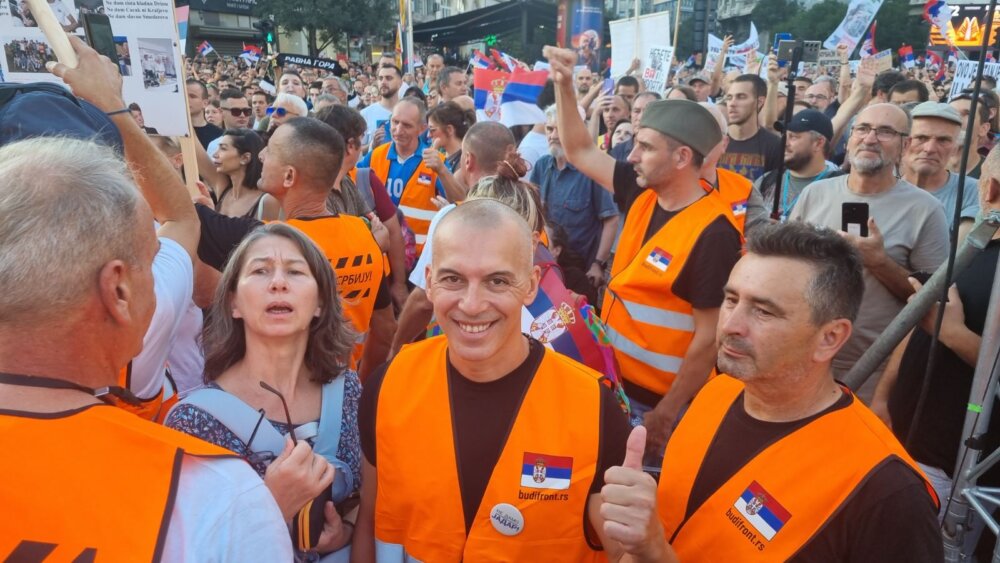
(331, 417)
(240, 418)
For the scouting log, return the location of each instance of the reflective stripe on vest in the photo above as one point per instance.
(357, 261)
(735, 191)
(649, 326)
(72, 489)
(415, 201)
(767, 511)
(545, 470)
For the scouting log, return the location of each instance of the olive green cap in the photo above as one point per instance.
(684, 121)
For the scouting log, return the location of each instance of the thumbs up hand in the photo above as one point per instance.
(628, 505)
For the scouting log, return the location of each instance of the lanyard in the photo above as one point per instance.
(786, 208)
(101, 393)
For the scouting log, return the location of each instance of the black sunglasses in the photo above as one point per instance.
(236, 112)
(284, 405)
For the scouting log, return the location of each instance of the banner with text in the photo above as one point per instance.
(144, 34)
(656, 67)
(860, 14)
(965, 74)
(632, 38)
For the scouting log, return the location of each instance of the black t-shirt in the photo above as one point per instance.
(938, 436)
(207, 133)
(890, 517)
(221, 234)
(482, 416)
(754, 156)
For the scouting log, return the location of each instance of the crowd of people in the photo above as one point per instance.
(378, 328)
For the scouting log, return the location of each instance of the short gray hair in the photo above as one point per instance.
(68, 207)
(298, 103)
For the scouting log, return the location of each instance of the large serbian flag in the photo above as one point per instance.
(488, 86)
(519, 101)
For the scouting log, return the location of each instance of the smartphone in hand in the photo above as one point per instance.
(854, 218)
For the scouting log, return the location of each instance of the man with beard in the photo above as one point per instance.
(809, 136)
(576, 203)
(907, 229)
(753, 150)
(775, 461)
(584, 81)
(376, 115)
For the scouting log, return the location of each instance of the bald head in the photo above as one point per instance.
(890, 113)
(485, 216)
(465, 102)
(712, 158)
(717, 114)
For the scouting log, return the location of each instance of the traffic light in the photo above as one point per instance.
(490, 40)
(266, 29)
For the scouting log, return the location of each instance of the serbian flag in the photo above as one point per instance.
(906, 56)
(934, 59)
(205, 48)
(546, 471)
(761, 510)
(488, 86)
(503, 60)
(868, 47)
(251, 53)
(518, 104)
(557, 320)
(480, 61)
(938, 13)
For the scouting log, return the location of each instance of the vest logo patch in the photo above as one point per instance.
(551, 324)
(740, 208)
(761, 510)
(543, 471)
(658, 259)
(424, 178)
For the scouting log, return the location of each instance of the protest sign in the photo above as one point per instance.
(656, 67)
(828, 58)
(737, 55)
(627, 43)
(145, 38)
(965, 74)
(859, 16)
(883, 60)
(312, 62)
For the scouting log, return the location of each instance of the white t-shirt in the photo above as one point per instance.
(533, 146)
(418, 275)
(373, 114)
(61, 12)
(173, 283)
(185, 358)
(224, 512)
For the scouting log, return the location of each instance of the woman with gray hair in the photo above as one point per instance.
(277, 347)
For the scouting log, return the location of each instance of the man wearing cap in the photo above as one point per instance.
(808, 139)
(701, 84)
(907, 229)
(933, 141)
(676, 249)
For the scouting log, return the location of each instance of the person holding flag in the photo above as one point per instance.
(204, 48)
(868, 47)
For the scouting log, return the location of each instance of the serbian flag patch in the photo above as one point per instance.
(740, 208)
(761, 510)
(424, 178)
(659, 259)
(543, 471)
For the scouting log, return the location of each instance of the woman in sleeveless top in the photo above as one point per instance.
(237, 169)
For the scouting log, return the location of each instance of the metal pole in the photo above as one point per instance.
(920, 303)
(677, 26)
(779, 173)
(977, 420)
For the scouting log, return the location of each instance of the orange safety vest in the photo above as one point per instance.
(357, 262)
(735, 190)
(650, 328)
(155, 408)
(74, 471)
(767, 511)
(418, 189)
(545, 471)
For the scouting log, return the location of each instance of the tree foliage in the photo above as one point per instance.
(325, 21)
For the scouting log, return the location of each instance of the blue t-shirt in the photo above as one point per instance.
(400, 173)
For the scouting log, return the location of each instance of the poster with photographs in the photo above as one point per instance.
(142, 38)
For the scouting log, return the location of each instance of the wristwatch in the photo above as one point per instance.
(602, 263)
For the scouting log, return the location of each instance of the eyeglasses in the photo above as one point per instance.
(881, 133)
(280, 112)
(817, 97)
(284, 405)
(236, 112)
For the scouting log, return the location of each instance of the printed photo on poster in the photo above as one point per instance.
(68, 12)
(587, 23)
(124, 57)
(27, 55)
(158, 68)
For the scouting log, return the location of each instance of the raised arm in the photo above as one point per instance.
(98, 81)
(773, 83)
(580, 151)
(727, 42)
(860, 92)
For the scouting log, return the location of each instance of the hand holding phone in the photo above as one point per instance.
(99, 35)
(854, 218)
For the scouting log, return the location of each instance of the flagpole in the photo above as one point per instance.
(677, 26)
(409, 37)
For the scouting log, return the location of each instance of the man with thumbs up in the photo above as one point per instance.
(774, 460)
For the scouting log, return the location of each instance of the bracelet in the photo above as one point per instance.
(117, 111)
